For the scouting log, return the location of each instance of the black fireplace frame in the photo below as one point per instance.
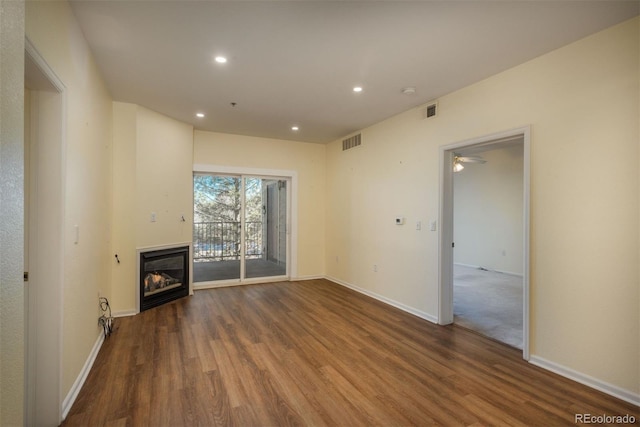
(156, 299)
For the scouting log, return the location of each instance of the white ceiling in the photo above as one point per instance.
(296, 62)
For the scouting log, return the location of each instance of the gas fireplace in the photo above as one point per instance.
(164, 276)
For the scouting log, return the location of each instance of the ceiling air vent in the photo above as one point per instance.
(430, 111)
(348, 143)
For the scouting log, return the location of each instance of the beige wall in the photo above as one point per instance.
(11, 212)
(582, 104)
(124, 238)
(488, 211)
(263, 153)
(52, 29)
(153, 173)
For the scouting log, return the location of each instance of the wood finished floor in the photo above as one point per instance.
(315, 353)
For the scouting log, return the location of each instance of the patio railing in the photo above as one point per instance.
(220, 240)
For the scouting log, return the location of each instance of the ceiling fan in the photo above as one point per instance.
(459, 160)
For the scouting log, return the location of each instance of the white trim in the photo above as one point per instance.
(303, 278)
(161, 247)
(396, 304)
(236, 282)
(610, 389)
(49, 74)
(123, 313)
(445, 252)
(510, 273)
(235, 170)
(68, 401)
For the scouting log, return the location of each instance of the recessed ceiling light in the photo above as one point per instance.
(295, 128)
(221, 60)
(200, 115)
(357, 89)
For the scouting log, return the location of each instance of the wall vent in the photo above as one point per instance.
(351, 142)
(430, 111)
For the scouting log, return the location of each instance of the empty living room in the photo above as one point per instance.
(265, 213)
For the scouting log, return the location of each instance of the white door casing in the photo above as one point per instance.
(445, 288)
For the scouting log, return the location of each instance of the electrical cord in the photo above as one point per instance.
(106, 321)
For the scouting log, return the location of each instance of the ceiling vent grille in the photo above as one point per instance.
(351, 142)
(430, 111)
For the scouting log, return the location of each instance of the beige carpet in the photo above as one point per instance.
(489, 303)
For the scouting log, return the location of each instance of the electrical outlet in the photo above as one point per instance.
(153, 217)
(375, 268)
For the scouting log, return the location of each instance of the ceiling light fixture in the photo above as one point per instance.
(409, 90)
(295, 128)
(459, 160)
(221, 60)
(357, 89)
(457, 166)
(200, 115)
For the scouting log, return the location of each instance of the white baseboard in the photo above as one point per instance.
(303, 278)
(615, 391)
(67, 403)
(510, 273)
(396, 304)
(124, 313)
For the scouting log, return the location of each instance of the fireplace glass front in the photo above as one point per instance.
(164, 276)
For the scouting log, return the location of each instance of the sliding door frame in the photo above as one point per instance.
(292, 218)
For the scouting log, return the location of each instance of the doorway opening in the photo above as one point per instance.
(241, 229)
(44, 222)
(484, 238)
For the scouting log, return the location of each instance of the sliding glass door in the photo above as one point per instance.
(266, 228)
(240, 228)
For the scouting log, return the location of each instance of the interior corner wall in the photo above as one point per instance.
(123, 241)
(584, 200)
(12, 301)
(263, 153)
(54, 32)
(488, 212)
(164, 180)
(153, 159)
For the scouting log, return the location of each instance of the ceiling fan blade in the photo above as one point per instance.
(471, 159)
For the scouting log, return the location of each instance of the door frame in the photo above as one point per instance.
(445, 288)
(292, 220)
(44, 404)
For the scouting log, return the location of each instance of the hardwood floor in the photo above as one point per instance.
(315, 353)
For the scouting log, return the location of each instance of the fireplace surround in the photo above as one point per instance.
(163, 275)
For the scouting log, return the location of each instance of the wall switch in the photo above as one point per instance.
(153, 217)
(433, 225)
(419, 225)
